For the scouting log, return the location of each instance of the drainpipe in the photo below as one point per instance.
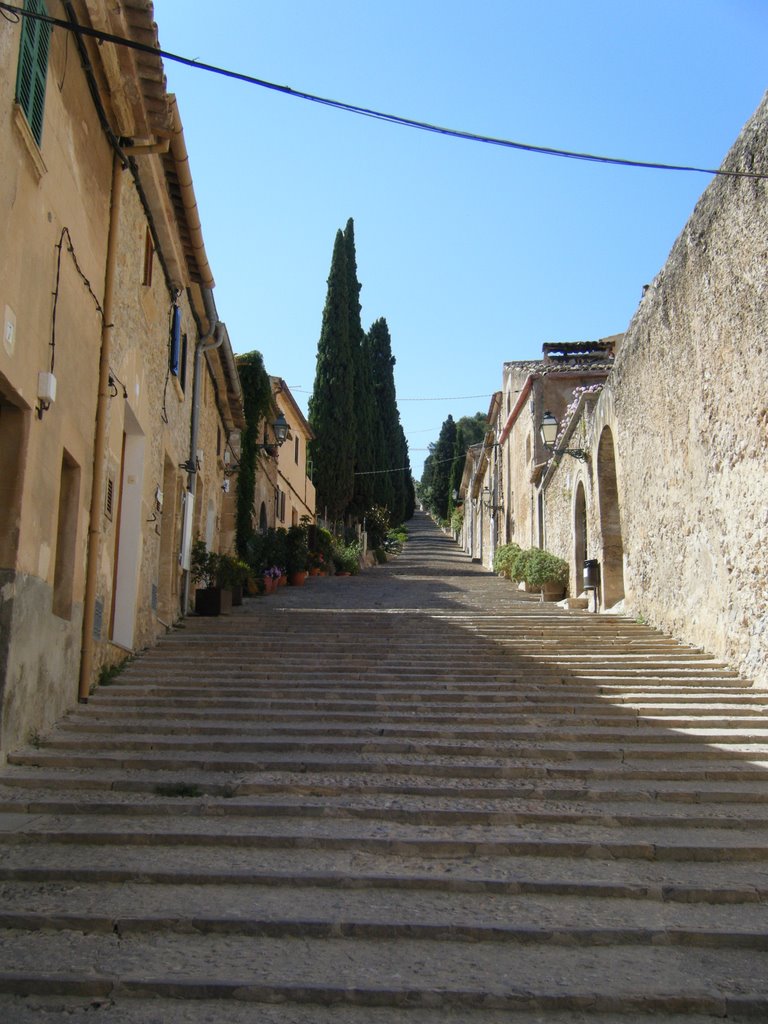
(100, 438)
(213, 338)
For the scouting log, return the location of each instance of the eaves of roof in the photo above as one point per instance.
(144, 113)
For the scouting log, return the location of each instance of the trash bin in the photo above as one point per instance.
(591, 574)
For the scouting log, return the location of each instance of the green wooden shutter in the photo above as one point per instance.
(33, 67)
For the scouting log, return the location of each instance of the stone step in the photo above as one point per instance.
(378, 911)
(470, 725)
(158, 1010)
(632, 745)
(418, 811)
(350, 784)
(328, 653)
(591, 878)
(608, 766)
(255, 708)
(525, 688)
(644, 841)
(380, 673)
(632, 731)
(383, 972)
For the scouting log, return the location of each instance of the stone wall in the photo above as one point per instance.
(688, 402)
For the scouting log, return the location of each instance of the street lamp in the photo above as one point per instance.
(280, 427)
(549, 431)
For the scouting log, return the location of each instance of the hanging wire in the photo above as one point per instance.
(378, 115)
(71, 249)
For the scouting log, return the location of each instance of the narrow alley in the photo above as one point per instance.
(415, 795)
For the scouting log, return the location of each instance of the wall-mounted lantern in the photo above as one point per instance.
(549, 430)
(280, 428)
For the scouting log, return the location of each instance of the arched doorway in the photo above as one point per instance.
(580, 541)
(610, 522)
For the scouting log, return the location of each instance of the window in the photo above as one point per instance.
(296, 451)
(33, 67)
(109, 498)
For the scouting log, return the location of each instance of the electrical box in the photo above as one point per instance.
(46, 388)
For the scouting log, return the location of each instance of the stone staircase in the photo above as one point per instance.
(411, 796)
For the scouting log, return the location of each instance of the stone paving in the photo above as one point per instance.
(416, 795)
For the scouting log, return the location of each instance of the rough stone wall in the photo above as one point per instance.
(690, 406)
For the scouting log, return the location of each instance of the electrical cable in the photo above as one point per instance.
(71, 250)
(378, 115)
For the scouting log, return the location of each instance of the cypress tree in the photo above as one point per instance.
(457, 466)
(444, 453)
(363, 434)
(381, 362)
(331, 406)
(394, 489)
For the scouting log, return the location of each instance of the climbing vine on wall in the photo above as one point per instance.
(257, 404)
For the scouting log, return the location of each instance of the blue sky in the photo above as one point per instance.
(474, 254)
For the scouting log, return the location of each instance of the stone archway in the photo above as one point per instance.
(580, 541)
(610, 522)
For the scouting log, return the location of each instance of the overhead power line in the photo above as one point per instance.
(431, 398)
(378, 115)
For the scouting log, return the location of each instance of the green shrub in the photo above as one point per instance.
(505, 558)
(544, 567)
(346, 557)
(377, 525)
(519, 570)
(537, 567)
(204, 565)
(457, 520)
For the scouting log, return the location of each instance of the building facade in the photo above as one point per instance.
(295, 491)
(109, 335)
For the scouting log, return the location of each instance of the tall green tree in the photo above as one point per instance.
(474, 428)
(365, 414)
(457, 466)
(332, 404)
(442, 457)
(394, 488)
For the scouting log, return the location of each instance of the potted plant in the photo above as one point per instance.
(504, 559)
(347, 559)
(271, 575)
(548, 573)
(210, 597)
(274, 550)
(231, 574)
(296, 555)
(519, 570)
